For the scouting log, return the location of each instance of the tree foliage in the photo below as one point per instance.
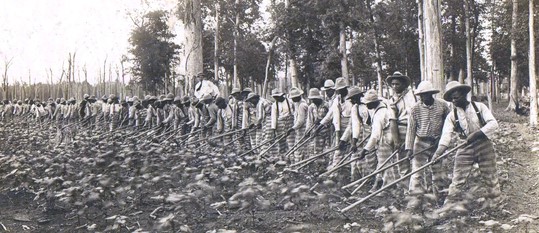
(153, 52)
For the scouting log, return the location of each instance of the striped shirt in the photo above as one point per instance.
(426, 121)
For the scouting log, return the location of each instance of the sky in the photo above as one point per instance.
(38, 35)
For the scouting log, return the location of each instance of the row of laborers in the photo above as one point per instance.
(416, 125)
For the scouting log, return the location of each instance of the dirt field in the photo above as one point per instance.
(117, 185)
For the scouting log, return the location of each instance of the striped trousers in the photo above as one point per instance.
(283, 125)
(337, 156)
(429, 180)
(384, 151)
(404, 167)
(482, 153)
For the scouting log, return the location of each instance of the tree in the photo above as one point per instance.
(513, 92)
(434, 67)
(531, 67)
(190, 14)
(7, 64)
(153, 52)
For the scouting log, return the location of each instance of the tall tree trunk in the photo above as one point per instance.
(236, 35)
(216, 41)
(268, 63)
(342, 50)
(513, 87)
(193, 43)
(421, 40)
(376, 49)
(531, 65)
(469, 77)
(434, 66)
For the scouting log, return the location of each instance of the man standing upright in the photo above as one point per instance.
(424, 129)
(205, 86)
(400, 104)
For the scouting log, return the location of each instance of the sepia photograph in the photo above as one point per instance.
(240, 116)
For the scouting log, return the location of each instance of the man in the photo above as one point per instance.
(186, 105)
(205, 86)
(316, 111)
(298, 128)
(400, 104)
(424, 129)
(245, 113)
(329, 91)
(114, 111)
(262, 118)
(380, 139)
(329, 98)
(473, 122)
(224, 119)
(210, 115)
(355, 129)
(339, 115)
(281, 119)
(133, 115)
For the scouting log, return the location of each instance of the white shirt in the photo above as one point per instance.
(206, 87)
(469, 122)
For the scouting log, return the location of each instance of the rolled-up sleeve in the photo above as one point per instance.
(489, 129)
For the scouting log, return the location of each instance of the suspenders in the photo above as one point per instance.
(459, 128)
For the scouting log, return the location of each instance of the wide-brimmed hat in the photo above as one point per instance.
(328, 84)
(251, 95)
(455, 86)
(169, 96)
(314, 93)
(370, 96)
(86, 96)
(248, 90)
(353, 91)
(340, 83)
(178, 99)
(276, 92)
(399, 76)
(425, 87)
(235, 90)
(295, 92)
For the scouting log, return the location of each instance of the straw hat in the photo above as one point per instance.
(455, 86)
(425, 87)
(353, 91)
(169, 96)
(399, 76)
(276, 92)
(370, 96)
(314, 93)
(328, 84)
(235, 90)
(251, 96)
(340, 83)
(295, 92)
